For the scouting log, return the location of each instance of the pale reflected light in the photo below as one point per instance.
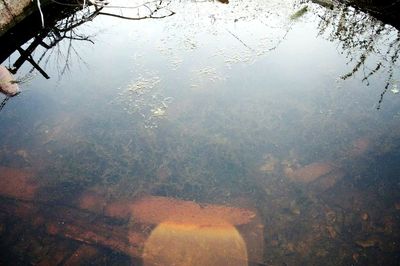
(188, 244)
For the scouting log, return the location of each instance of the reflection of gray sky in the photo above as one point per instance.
(205, 45)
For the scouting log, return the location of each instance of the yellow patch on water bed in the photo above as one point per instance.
(189, 244)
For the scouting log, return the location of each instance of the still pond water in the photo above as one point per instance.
(248, 133)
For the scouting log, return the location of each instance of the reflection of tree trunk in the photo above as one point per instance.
(30, 28)
(26, 55)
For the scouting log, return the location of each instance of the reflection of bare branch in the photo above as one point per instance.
(66, 29)
(80, 38)
(368, 42)
(3, 103)
(151, 8)
(237, 38)
(137, 6)
(372, 72)
(136, 18)
(67, 58)
(385, 89)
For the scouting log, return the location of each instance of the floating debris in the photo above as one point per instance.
(204, 77)
(395, 90)
(158, 111)
(299, 13)
(209, 73)
(176, 62)
(143, 97)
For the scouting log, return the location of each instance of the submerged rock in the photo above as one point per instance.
(310, 172)
(359, 147)
(331, 232)
(18, 183)
(328, 181)
(371, 242)
(269, 165)
(154, 210)
(8, 85)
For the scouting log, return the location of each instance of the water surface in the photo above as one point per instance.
(289, 112)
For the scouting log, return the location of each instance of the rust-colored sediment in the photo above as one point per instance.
(154, 210)
(359, 147)
(21, 184)
(55, 255)
(16, 183)
(92, 201)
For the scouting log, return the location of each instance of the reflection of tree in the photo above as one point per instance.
(65, 29)
(145, 10)
(56, 33)
(370, 45)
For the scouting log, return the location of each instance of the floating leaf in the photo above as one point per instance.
(299, 13)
